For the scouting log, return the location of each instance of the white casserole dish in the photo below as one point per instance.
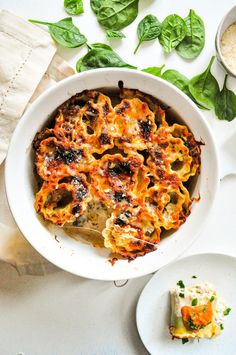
(77, 257)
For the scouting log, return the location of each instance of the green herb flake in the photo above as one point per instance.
(194, 277)
(184, 340)
(74, 7)
(226, 312)
(194, 302)
(180, 284)
(64, 32)
(212, 298)
(181, 295)
(204, 309)
(221, 326)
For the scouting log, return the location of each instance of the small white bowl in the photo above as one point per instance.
(227, 21)
(75, 256)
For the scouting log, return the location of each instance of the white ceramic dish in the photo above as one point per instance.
(77, 257)
(153, 309)
(227, 20)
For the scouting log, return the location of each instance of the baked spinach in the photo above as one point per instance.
(64, 32)
(173, 31)
(114, 34)
(100, 56)
(193, 43)
(115, 14)
(148, 29)
(204, 87)
(74, 7)
(225, 103)
(154, 70)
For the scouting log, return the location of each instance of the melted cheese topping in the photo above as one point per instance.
(117, 169)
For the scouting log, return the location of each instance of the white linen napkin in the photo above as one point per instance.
(28, 65)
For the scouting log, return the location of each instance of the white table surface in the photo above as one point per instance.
(63, 314)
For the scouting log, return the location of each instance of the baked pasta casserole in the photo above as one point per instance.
(114, 163)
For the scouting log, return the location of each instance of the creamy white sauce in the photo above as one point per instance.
(228, 47)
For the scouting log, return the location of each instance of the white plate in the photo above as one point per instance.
(153, 309)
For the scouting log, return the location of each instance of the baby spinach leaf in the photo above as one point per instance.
(99, 46)
(173, 31)
(149, 28)
(225, 103)
(114, 34)
(74, 7)
(193, 43)
(64, 32)
(95, 5)
(181, 81)
(101, 57)
(154, 70)
(116, 14)
(204, 87)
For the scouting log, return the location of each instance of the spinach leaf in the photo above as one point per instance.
(149, 28)
(173, 31)
(154, 70)
(204, 87)
(100, 56)
(64, 32)
(99, 46)
(193, 43)
(225, 103)
(116, 14)
(74, 7)
(95, 5)
(182, 82)
(114, 34)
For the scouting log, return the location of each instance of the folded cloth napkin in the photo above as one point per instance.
(28, 65)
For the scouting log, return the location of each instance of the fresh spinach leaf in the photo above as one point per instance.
(173, 31)
(64, 32)
(193, 43)
(95, 5)
(99, 46)
(74, 7)
(148, 29)
(204, 87)
(154, 70)
(225, 103)
(114, 34)
(116, 14)
(101, 57)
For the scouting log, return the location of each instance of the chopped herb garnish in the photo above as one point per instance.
(191, 325)
(226, 312)
(221, 326)
(212, 298)
(181, 295)
(194, 302)
(204, 309)
(194, 277)
(180, 284)
(184, 340)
